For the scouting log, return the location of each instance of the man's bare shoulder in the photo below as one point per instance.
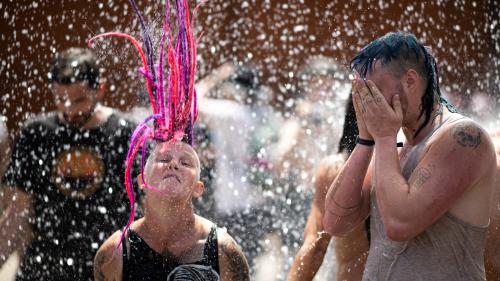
(232, 263)
(108, 261)
(468, 133)
(466, 137)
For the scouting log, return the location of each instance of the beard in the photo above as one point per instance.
(80, 119)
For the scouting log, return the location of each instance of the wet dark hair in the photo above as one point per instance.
(401, 51)
(75, 65)
(350, 130)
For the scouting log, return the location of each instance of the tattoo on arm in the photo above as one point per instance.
(421, 175)
(467, 135)
(237, 264)
(100, 260)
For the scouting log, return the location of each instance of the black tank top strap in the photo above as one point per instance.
(125, 257)
(211, 250)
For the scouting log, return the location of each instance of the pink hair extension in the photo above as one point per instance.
(174, 110)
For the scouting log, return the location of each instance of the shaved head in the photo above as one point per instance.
(161, 147)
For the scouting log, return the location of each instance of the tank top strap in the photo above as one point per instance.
(125, 257)
(435, 129)
(411, 162)
(211, 250)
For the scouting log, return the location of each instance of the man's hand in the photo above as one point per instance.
(381, 119)
(363, 131)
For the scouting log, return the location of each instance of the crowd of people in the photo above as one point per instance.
(324, 190)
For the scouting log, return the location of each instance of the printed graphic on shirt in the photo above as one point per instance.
(78, 172)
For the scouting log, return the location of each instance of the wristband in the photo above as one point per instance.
(371, 142)
(365, 142)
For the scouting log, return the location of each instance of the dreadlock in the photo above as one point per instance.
(401, 51)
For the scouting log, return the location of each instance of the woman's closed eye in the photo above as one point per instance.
(165, 159)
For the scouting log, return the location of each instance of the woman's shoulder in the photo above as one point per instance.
(108, 261)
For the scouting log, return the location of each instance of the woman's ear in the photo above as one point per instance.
(140, 181)
(199, 188)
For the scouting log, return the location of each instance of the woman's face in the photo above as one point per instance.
(174, 170)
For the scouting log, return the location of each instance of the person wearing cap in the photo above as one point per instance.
(63, 191)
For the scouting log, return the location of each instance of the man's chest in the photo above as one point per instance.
(76, 166)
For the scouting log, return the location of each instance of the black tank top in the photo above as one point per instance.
(140, 262)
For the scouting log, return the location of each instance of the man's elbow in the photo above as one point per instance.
(329, 226)
(335, 226)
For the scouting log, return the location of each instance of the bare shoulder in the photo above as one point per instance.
(232, 263)
(108, 261)
(467, 139)
(468, 134)
(328, 169)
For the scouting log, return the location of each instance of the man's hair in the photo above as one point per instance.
(75, 65)
(350, 130)
(400, 51)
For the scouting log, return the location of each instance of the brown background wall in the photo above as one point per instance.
(278, 35)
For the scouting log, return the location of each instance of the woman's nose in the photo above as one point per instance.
(173, 165)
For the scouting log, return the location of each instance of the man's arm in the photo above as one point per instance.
(348, 198)
(15, 228)
(461, 156)
(310, 256)
(232, 263)
(108, 261)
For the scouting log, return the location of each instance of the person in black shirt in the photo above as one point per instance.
(64, 192)
(171, 242)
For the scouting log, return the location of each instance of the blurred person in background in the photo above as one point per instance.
(61, 184)
(350, 251)
(241, 123)
(312, 132)
(484, 109)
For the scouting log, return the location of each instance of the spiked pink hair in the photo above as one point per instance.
(174, 109)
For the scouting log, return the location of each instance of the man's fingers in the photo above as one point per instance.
(377, 95)
(396, 105)
(368, 88)
(360, 88)
(358, 105)
(363, 95)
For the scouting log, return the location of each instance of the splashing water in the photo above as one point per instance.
(174, 108)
